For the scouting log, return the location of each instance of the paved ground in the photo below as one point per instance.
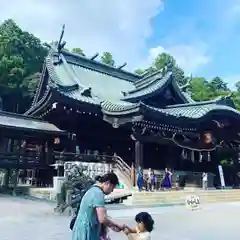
(26, 220)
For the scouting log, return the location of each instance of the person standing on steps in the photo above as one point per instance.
(205, 181)
(140, 179)
(167, 180)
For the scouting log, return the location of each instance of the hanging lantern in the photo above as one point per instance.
(207, 138)
(56, 140)
(54, 105)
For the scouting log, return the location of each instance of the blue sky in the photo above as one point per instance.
(202, 35)
(214, 24)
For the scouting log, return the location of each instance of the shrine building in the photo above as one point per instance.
(148, 120)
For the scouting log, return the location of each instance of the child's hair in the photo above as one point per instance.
(146, 219)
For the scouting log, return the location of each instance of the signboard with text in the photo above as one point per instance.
(192, 202)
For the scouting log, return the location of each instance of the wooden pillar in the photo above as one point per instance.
(138, 154)
(73, 142)
(49, 152)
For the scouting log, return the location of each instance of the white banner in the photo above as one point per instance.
(221, 174)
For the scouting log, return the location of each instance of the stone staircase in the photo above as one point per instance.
(178, 197)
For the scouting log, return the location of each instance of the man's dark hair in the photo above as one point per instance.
(146, 219)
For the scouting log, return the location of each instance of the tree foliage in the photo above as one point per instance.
(107, 58)
(22, 56)
(238, 86)
(200, 88)
(78, 51)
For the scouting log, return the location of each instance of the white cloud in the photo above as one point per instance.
(189, 57)
(120, 26)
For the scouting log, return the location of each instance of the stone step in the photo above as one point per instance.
(153, 198)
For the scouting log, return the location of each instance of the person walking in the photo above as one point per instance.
(92, 216)
(205, 180)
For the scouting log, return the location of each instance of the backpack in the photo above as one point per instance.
(73, 220)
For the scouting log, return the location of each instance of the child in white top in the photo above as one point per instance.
(143, 229)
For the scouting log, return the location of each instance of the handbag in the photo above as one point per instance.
(72, 222)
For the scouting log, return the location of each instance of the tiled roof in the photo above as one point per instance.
(191, 111)
(195, 111)
(11, 120)
(115, 90)
(119, 107)
(72, 74)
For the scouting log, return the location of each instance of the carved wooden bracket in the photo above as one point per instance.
(117, 122)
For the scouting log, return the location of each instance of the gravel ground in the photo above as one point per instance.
(22, 219)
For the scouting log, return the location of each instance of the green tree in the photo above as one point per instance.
(199, 88)
(107, 58)
(139, 71)
(165, 59)
(29, 84)
(218, 84)
(78, 51)
(236, 99)
(21, 55)
(238, 86)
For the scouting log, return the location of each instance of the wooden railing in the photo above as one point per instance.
(68, 156)
(11, 159)
(35, 160)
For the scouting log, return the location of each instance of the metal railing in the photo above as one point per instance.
(123, 167)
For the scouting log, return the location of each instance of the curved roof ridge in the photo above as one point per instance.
(183, 95)
(52, 71)
(70, 72)
(116, 107)
(145, 77)
(150, 81)
(217, 100)
(194, 111)
(130, 76)
(157, 85)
